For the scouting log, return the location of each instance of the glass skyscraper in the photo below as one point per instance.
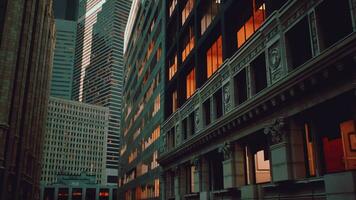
(99, 65)
(65, 12)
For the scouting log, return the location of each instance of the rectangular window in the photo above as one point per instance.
(172, 67)
(190, 83)
(188, 43)
(187, 10)
(206, 111)
(209, 13)
(240, 87)
(214, 57)
(174, 101)
(253, 23)
(298, 44)
(335, 26)
(172, 6)
(262, 167)
(218, 104)
(310, 153)
(258, 74)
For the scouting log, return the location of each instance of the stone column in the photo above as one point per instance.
(280, 159)
(353, 13)
(204, 194)
(212, 109)
(69, 193)
(163, 187)
(196, 164)
(177, 183)
(249, 191)
(198, 118)
(287, 150)
(228, 165)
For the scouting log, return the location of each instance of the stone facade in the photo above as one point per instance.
(26, 53)
(292, 139)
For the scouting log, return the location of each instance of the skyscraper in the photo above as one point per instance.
(143, 108)
(75, 140)
(26, 52)
(99, 65)
(65, 12)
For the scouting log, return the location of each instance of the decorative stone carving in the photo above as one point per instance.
(164, 143)
(227, 98)
(274, 59)
(178, 134)
(226, 150)
(196, 163)
(196, 118)
(276, 131)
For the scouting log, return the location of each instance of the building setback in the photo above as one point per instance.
(99, 66)
(75, 140)
(26, 52)
(259, 100)
(142, 111)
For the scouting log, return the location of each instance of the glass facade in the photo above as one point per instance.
(98, 73)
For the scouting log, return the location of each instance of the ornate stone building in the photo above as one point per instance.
(26, 52)
(262, 105)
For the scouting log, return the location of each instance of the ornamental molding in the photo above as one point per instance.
(276, 131)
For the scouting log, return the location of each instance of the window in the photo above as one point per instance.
(258, 74)
(298, 44)
(214, 57)
(172, 67)
(189, 179)
(335, 26)
(253, 23)
(172, 6)
(218, 103)
(210, 11)
(188, 43)
(240, 87)
(174, 101)
(310, 152)
(206, 112)
(190, 83)
(262, 167)
(187, 10)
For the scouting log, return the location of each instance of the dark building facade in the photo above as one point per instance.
(143, 108)
(259, 100)
(26, 52)
(98, 67)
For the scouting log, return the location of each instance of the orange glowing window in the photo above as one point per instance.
(214, 57)
(191, 83)
(172, 67)
(188, 43)
(252, 24)
(187, 10)
(310, 151)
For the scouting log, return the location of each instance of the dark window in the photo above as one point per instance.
(240, 87)
(334, 21)
(90, 194)
(218, 104)
(258, 74)
(48, 194)
(112, 179)
(114, 194)
(206, 111)
(185, 128)
(216, 177)
(3, 4)
(192, 123)
(298, 44)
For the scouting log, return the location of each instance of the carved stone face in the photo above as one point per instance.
(274, 58)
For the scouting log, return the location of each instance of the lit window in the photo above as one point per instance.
(187, 10)
(191, 83)
(188, 43)
(172, 67)
(214, 57)
(252, 24)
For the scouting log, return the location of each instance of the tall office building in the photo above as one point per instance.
(99, 65)
(26, 52)
(65, 12)
(143, 108)
(261, 104)
(75, 140)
